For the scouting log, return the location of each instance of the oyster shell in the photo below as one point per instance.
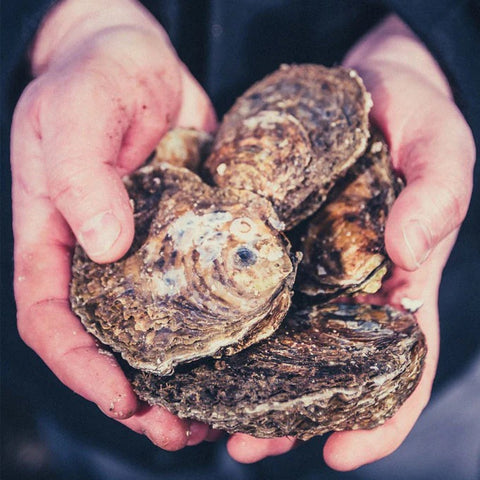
(291, 135)
(343, 246)
(207, 273)
(183, 147)
(331, 367)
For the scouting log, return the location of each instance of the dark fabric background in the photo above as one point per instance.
(228, 45)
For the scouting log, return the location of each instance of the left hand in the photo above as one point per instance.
(432, 147)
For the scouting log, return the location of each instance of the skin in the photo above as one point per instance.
(107, 86)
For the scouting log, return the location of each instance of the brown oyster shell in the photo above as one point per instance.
(331, 367)
(291, 135)
(183, 147)
(343, 246)
(207, 273)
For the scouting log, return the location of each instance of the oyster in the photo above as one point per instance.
(343, 248)
(183, 147)
(291, 135)
(207, 274)
(331, 367)
(195, 307)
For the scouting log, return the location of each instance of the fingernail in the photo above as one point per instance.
(418, 240)
(98, 234)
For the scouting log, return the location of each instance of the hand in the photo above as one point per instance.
(108, 86)
(433, 149)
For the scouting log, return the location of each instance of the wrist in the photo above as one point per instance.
(71, 23)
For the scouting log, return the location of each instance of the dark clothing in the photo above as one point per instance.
(228, 45)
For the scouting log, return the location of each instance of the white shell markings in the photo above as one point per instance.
(206, 233)
(411, 304)
(170, 282)
(221, 169)
(242, 226)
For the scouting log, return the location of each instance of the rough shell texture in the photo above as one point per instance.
(291, 135)
(183, 147)
(343, 245)
(334, 367)
(207, 273)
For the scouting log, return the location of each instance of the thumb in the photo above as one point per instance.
(86, 135)
(438, 167)
(94, 202)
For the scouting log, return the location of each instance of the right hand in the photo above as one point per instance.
(108, 85)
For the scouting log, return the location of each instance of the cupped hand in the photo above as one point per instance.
(108, 85)
(432, 148)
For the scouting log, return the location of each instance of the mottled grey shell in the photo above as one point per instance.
(332, 367)
(208, 273)
(291, 135)
(343, 245)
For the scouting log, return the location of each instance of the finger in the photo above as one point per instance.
(197, 432)
(196, 110)
(50, 329)
(434, 152)
(438, 168)
(156, 106)
(247, 449)
(92, 132)
(81, 129)
(147, 127)
(47, 325)
(164, 429)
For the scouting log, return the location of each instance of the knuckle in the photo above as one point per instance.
(38, 96)
(62, 190)
(28, 106)
(27, 323)
(67, 185)
(32, 325)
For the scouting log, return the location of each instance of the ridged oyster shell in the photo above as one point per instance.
(343, 245)
(291, 135)
(208, 273)
(331, 367)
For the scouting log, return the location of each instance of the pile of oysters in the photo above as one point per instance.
(234, 304)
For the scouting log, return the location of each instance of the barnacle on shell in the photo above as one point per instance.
(208, 273)
(330, 367)
(291, 135)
